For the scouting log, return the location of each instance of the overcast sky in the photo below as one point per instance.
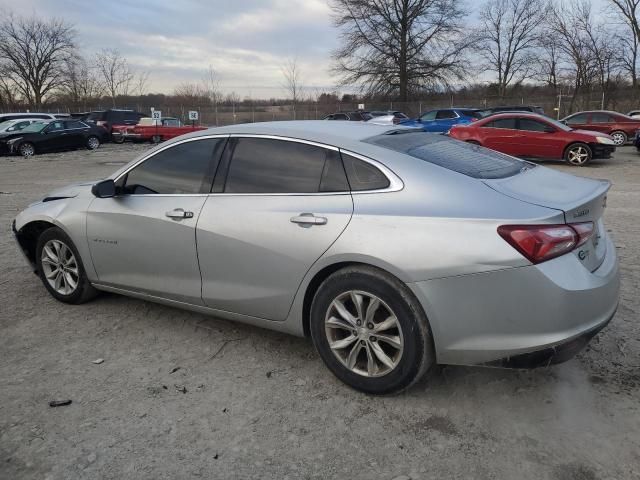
(246, 41)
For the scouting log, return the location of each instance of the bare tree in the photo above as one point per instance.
(399, 46)
(81, 85)
(211, 86)
(628, 12)
(547, 60)
(141, 83)
(292, 81)
(115, 72)
(507, 37)
(33, 54)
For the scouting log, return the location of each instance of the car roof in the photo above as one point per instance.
(524, 114)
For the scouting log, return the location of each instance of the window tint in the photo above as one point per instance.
(445, 114)
(579, 118)
(261, 165)
(75, 124)
(601, 118)
(451, 154)
(334, 178)
(363, 175)
(532, 125)
(508, 123)
(55, 126)
(183, 169)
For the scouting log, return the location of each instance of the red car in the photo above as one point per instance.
(621, 127)
(154, 131)
(534, 136)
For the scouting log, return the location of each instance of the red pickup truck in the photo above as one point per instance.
(154, 131)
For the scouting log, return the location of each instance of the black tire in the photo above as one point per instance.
(93, 142)
(84, 291)
(117, 139)
(621, 137)
(418, 353)
(571, 153)
(27, 149)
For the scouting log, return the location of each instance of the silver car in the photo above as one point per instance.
(394, 249)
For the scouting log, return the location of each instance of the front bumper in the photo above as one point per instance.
(551, 308)
(601, 150)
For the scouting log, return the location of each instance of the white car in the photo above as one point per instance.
(9, 126)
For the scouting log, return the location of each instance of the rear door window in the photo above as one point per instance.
(507, 123)
(186, 168)
(446, 114)
(75, 124)
(261, 165)
(601, 118)
(451, 154)
(532, 125)
(580, 118)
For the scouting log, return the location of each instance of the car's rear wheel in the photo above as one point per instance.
(578, 154)
(60, 268)
(619, 138)
(27, 149)
(93, 142)
(370, 330)
(117, 138)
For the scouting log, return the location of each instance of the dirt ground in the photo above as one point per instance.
(243, 402)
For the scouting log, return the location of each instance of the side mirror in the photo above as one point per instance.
(104, 189)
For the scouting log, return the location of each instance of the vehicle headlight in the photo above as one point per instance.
(605, 140)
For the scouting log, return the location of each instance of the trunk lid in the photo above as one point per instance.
(580, 199)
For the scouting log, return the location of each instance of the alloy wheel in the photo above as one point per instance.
(60, 267)
(27, 150)
(93, 143)
(578, 155)
(618, 138)
(364, 333)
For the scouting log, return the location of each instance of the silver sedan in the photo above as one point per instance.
(392, 248)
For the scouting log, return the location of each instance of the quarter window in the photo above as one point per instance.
(363, 175)
(261, 165)
(187, 168)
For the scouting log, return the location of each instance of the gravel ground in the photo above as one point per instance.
(181, 395)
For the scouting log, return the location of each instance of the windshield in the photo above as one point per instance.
(558, 124)
(6, 124)
(34, 127)
(445, 152)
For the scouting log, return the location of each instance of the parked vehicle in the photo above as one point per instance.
(533, 136)
(16, 116)
(52, 135)
(394, 249)
(441, 121)
(114, 118)
(154, 131)
(634, 114)
(619, 126)
(9, 126)
(394, 114)
(350, 116)
(512, 108)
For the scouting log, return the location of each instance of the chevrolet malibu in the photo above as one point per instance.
(392, 248)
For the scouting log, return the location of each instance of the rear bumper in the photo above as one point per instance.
(538, 310)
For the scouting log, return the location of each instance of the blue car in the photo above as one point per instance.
(441, 120)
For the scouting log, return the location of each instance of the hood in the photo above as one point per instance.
(591, 133)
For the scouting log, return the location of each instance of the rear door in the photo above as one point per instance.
(601, 122)
(501, 135)
(283, 204)
(445, 119)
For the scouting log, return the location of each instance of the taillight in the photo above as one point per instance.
(539, 243)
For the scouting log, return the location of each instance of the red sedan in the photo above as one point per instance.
(533, 136)
(619, 126)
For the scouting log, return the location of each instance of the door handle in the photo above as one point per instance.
(308, 219)
(179, 214)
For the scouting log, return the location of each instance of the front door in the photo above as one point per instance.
(540, 139)
(55, 137)
(144, 238)
(283, 205)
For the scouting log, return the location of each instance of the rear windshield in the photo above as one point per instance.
(470, 160)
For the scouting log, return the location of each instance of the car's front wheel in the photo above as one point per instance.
(578, 154)
(619, 138)
(93, 142)
(60, 268)
(370, 330)
(27, 149)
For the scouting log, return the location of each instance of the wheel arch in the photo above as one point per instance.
(27, 238)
